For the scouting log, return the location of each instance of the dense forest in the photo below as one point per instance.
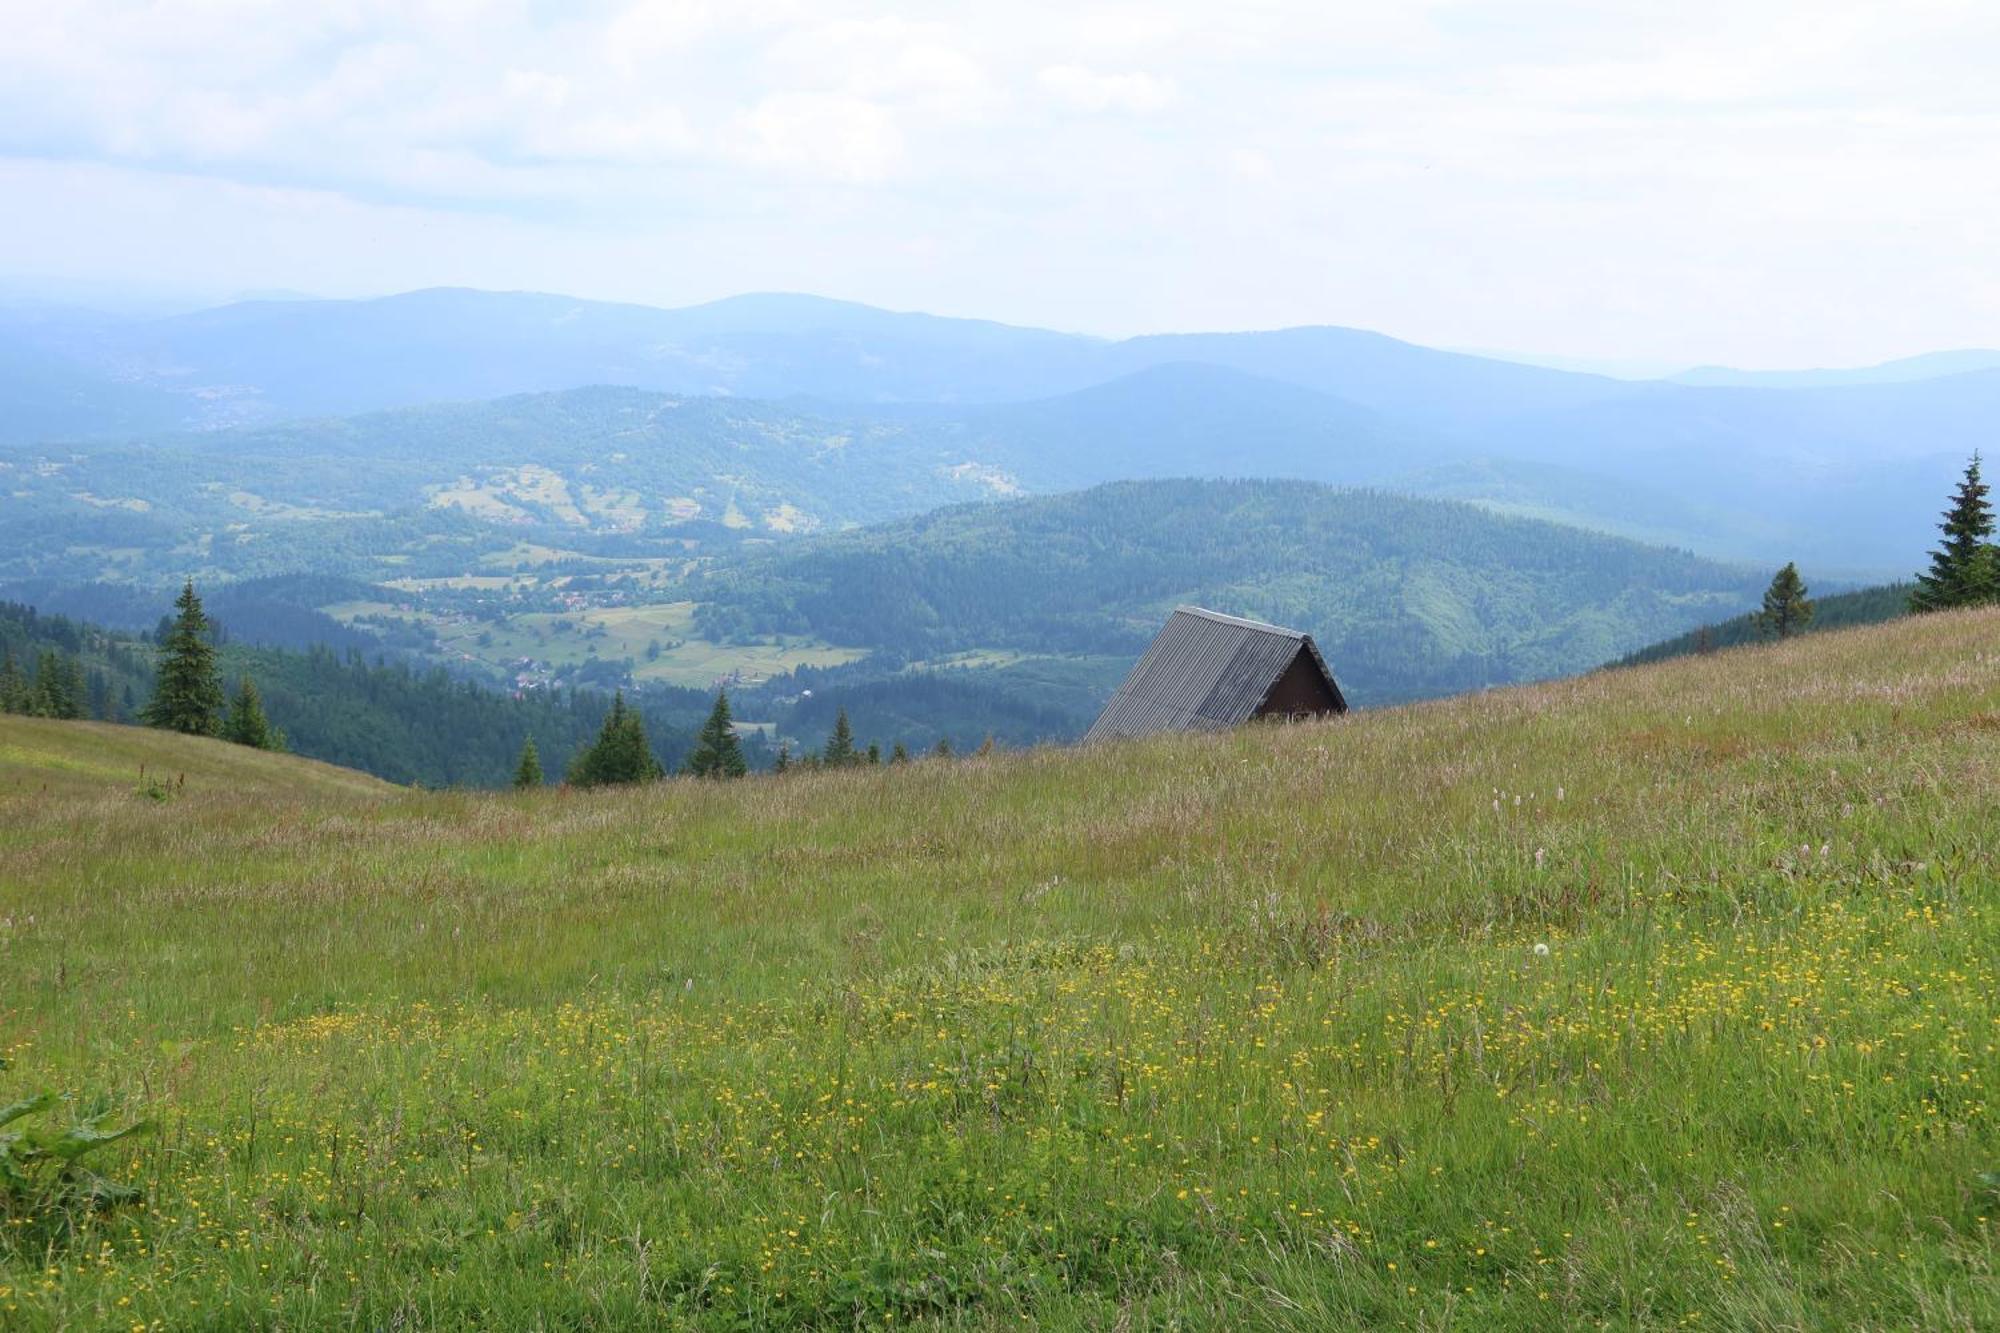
(390, 719)
(53, 666)
(1410, 598)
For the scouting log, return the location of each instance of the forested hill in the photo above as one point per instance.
(388, 719)
(1410, 598)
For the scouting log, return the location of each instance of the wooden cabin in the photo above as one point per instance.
(1208, 670)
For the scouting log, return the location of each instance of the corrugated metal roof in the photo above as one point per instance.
(1203, 670)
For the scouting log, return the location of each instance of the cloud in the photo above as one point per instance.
(1593, 178)
(1082, 89)
(836, 137)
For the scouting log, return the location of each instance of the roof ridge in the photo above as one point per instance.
(1242, 622)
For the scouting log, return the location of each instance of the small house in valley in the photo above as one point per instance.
(1207, 670)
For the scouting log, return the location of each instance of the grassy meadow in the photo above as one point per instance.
(1666, 997)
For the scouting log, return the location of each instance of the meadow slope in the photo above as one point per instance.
(43, 758)
(1661, 997)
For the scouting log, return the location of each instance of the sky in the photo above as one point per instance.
(1761, 183)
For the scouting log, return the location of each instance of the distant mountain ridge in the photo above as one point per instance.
(1906, 370)
(1829, 477)
(1842, 468)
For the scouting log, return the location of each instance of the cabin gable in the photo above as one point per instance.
(1302, 690)
(1206, 670)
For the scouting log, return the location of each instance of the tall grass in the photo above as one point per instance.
(1659, 997)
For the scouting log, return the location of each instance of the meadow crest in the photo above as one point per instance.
(1658, 997)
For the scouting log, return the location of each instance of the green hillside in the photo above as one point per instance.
(1409, 598)
(42, 759)
(1865, 606)
(1655, 998)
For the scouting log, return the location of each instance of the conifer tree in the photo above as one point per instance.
(875, 752)
(1787, 610)
(58, 690)
(188, 694)
(783, 762)
(717, 751)
(98, 702)
(13, 686)
(246, 723)
(942, 750)
(528, 773)
(899, 755)
(839, 751)
(1965, 569)
(619, 754)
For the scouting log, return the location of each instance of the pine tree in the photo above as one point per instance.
(188, 694)
(875, 752)
(783, 763)
(839, 751)
(1965, 570)
(942, 750)
(13, 686)
(528, 773)
(717, 751)
(246, 723)
(58, 689)
(899, 755)
(619, 754)
(97, 698)
(1787, 610)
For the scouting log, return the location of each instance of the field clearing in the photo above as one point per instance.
(572, 638)
(1658, 998)
(615, 632)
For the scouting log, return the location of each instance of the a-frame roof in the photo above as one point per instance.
(1205, 670)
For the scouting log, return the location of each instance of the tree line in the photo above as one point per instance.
(43, 672)
(621, 753)
(1964, 571)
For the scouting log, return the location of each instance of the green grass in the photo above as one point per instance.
(45, 765)
(1238, 1031)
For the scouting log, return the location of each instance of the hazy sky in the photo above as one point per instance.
(1766, 182)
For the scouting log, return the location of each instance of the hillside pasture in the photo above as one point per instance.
(1661, 997)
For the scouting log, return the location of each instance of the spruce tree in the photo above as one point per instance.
(528, 773)
(899, 755)
(188, 695)
(717, 752)
(619, 754)
(874, 752)
(1965, 569)
(1787, 610)
(942, 750)
(246, 723)
(839, 751)
(58, 690)
(13, 686)
(783, 762)
(98, 702)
